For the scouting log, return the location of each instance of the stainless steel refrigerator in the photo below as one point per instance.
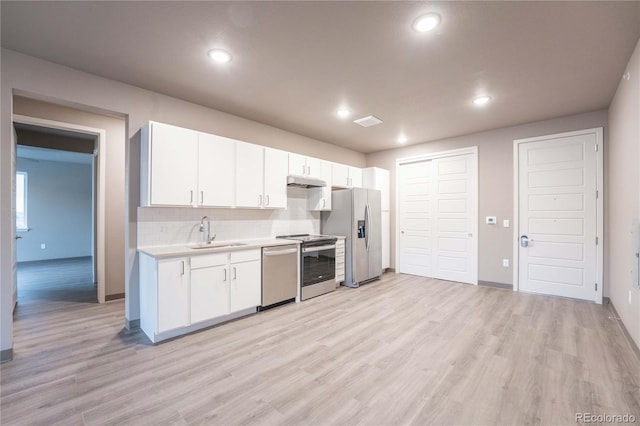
(356, 214)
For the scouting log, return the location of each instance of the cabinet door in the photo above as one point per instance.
(339, 175)
(314, 167)
(249, 175)
(209, 293)
(245, 285)
(385, 240)
(355, 177)
(297, 164)
(216, 160)
(173, 306)
(275, 178)
(173, 165)
(320, 198)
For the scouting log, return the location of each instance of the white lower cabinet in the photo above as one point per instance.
(209, 296)
(173, 294)
(181, 295)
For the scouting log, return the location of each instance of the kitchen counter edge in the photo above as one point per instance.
(185, 250)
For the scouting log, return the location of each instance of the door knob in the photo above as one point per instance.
(18, 237)
(524, 241)
(402, 232)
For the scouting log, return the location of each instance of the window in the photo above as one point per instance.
(21, 201)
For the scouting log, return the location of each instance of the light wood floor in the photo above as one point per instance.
(404, 350)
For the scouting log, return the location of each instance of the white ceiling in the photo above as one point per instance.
(295, 63)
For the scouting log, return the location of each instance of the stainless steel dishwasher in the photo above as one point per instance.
(279, 274)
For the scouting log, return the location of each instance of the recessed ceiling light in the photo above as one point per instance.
(343, 113)
(426, 22)
(220, 56)
(482, 100)
(402, 139)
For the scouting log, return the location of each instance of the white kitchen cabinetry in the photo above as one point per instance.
(173, 294)
(340, 274)
(344, 176)
(301, 165)
(377, 178)
(216, 156)
(245, 275)
(209, 287)
(184, 294)
(320, 198)
(182, 167)
(168, 168)
(261, 176)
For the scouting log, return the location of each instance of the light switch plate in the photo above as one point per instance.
(505, 263)
(505, 223)
(492, 220)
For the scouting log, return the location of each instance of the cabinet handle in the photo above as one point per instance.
(324, 203)
(259, 200)
(191, 197)
(235, 273)
(201, 197)
(225, 275)
(303, 169)
(182, 268)
(309, 170)
(267, 200)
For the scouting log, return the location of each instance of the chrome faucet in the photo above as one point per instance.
(206, 237)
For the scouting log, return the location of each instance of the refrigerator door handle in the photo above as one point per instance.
(366, 226)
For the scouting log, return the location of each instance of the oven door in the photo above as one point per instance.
(318, 264)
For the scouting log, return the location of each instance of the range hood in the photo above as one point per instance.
(305, 182)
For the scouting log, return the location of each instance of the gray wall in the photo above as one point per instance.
(60, 213)
(36, 78)
(624, 195)
(495, 182)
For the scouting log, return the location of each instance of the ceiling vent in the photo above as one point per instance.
(368, 121)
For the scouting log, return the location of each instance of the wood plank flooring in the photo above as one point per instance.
(404, 350)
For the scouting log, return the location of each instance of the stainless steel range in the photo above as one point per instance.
(317, 264)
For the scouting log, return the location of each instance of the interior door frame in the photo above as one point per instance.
(100, 188)
(598, 132)
(474, 187)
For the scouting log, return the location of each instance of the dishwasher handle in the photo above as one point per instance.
(279, 252)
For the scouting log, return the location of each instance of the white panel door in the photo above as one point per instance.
(385, 239)
(216, 161)
(174, 165)
(209, 293)
(415, 184)
(275, 178)
(173, 303)
(249, 175)
(557, 215)
(246, 288)
(455, 219)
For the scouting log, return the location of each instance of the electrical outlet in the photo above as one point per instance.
(43, 246)
(505, 263)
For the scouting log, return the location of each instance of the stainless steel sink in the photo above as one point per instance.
(220, 244)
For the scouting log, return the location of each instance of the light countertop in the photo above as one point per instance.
(187, 250)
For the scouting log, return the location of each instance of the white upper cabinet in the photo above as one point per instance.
(249, 175)
(301, 165)
(320, 198)
(182, 167)
(275, 178)
(168, 173)
(377, 178)
(344, 176)
(261, 177)
(216, 162)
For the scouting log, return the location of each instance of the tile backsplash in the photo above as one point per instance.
(159, 226)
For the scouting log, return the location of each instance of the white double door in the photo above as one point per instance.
(558, 205)
(438, 218)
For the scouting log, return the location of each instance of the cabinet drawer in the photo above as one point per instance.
(245, 255)
(209, 260)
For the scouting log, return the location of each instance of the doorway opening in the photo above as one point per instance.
(55, 216)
